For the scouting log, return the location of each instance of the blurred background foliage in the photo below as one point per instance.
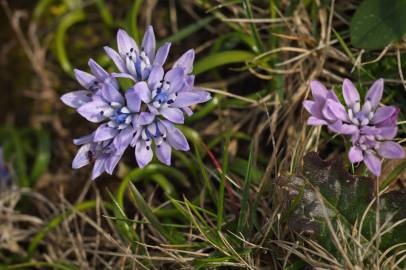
(219, 205)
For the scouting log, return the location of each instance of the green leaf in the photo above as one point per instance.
(42, 157)
(376, 23)
(222, 58)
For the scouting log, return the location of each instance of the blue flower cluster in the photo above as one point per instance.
(144, 115)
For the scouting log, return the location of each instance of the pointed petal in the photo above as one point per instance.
(175, 77)
(187, 111)
(308, 104)
(373, 163)
(334, 110)
(314, 121)
(155, 77)
(98, 168)
(123, 75)
(117, 59)
(145, 118)
(148, 43)
(319, 91)
(374, 94)
(351, 95)
(85, 79)
(98, 71)
(104, 132)
(175, 137)
(133, 100)
(94, 111)
(125, 43)
(388, 133)
(186, 61)
(382, 114)
(84, 139)
(143, 153)
(332, 95)
(162, 54)
(355, 154)
(163, 152)
(112, 161)
(81, 159)
(188, 98)
(143, 91)
(173, 114)
(76, 99)
(111, 94)
(123, 139)
(391, 150)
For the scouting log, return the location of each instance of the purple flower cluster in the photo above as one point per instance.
(144, 115)
(372, 127)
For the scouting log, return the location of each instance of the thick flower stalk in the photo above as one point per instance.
(144, 115)
(372, 127)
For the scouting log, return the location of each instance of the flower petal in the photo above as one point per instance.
(143, 153)
(104, 132)
(173, 114)
(133, 100)
(162, 54)
(145, 118)
(112, 161)
(334, 110)
(382, 114)
(391, 150)
(188, 98)
(85, 79)
(373, 163)
(125, 43)
(388, 133)
(84, 139)
(82, 158)
(117, 59)
(98, 71)
(148, 43)
(98, 168)
(123, 75)
(175, 137)
(319, 91)
(111, 94)
(163, 152)
(314, 121)
(94, 111)
(143, 91)
(76, 99)
(355, 154)
(123, 139)
(350, 93)
(186, 61)
(187, 111)
(155, 77)
(374, 94)
(175, 77)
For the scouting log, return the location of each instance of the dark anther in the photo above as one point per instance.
(101, 112)
(147, 147)
(131, 58)
(142, 48)
(158, 146)
(132, 49)
(89, 95)
(170, 101)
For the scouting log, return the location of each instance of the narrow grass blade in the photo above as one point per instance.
(220, 59)
(220, 205)
(43, 155)
(393, 175)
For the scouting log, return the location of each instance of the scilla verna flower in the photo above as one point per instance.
(144, 115)
(372, 128)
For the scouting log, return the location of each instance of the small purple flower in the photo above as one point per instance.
(93, 84)
(320, 112)
(103, 153)
(170, 94)
(134, 63)
(160, 132)
(372, 128)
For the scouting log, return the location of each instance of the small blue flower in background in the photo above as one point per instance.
(144, 115)
(372, 127)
